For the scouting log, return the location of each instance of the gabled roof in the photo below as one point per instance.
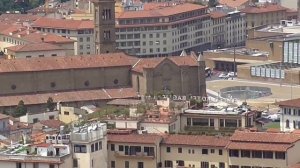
(153, 62)
(64, 24)
(34, 47)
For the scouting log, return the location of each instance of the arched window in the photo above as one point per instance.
(287, 123)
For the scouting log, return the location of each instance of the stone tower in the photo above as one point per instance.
(104, 26)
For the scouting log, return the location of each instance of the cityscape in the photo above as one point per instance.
(149, 84)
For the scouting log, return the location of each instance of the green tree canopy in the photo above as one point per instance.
(20, 110)
(50, 104)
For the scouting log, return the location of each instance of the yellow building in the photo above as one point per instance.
(70, 114)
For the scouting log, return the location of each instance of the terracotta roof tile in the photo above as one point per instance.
(19, 125)
(196, 140)
(67, 96)
(13, 18)
(263, 9)
(52, 123)
(265, 137)
(64, 24)
(66, 62)
(134, 138)
(162, 11)
(34, 47)
(233, 3)
(290, 103)
(38, 37)
(153, 62)
(259, 146)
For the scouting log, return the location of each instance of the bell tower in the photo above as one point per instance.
(104, 26)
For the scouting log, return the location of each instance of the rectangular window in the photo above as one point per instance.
(51, 117)
(221, 122)
(245, 153)
(205, 151)
(233, 153)
(51, 166)
(168, 149)
(204, 165)
(112, 147)
(256, 154)
(211, 122)
(36, 165)
(28, 56)
(93, 148)
(100, 145)
(35, 120)
(126, 164)
(113, 164)
(18, 165)
(79, 148)
(221, 165)
(179, 150)
(168, 163)
(75, 163)
(280, 155)
(268, 154)
(66, 113)
(220, 152)
(212, 151)
(140, 164)
(121, 148)
(96, 146)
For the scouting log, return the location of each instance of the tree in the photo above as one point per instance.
(20, 110)
(212, 3)
(50, 104)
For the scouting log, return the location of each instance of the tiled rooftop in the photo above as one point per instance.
(263, 9)
(64, 24)
(165, 10)
(290, 103)
(34, 47)
(67, 62)
(69, 96)
(233, 3)
(196, 140)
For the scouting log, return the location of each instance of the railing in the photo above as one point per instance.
(52, 159)
(138, 154)
(88, 136)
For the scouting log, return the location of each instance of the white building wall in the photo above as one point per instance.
(290, 119)
(28, 118)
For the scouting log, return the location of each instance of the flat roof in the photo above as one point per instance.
(240, 51)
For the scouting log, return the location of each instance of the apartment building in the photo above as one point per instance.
(89, 144)
(165, 30)
(290, 115)
(193, 151)
(217, 120)
(81, 31)
(262, 149)
(264, 14)
(18, 42)
(242, 150)
(235, 29)
(134, 150)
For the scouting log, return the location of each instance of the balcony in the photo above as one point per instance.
(140, 155)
